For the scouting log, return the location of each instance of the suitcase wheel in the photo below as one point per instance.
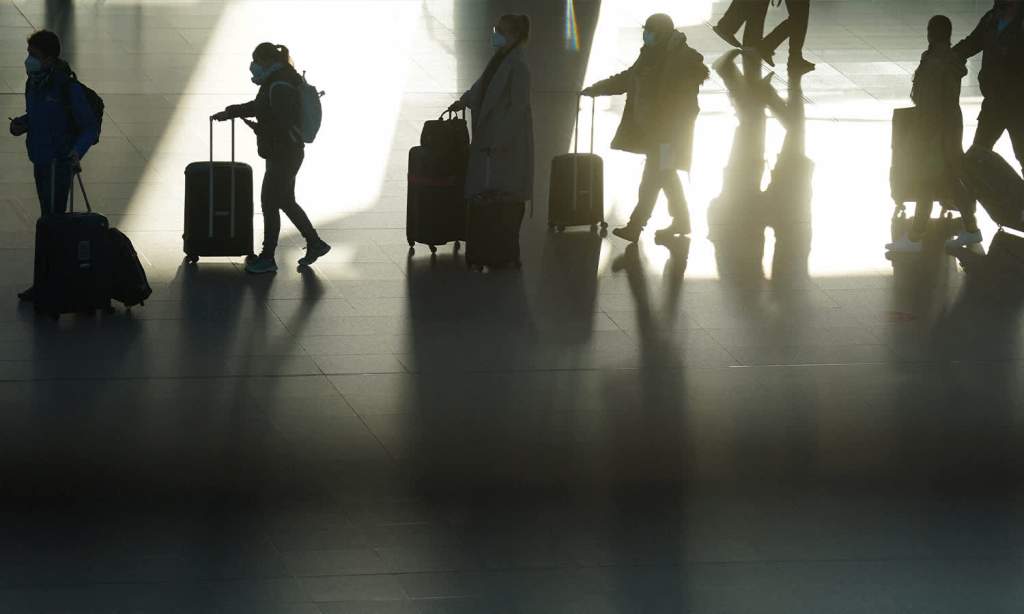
(412, 244)
(433, 249)
(191, 259)
(604, 225)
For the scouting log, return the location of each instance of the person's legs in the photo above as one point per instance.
(1016, 129)
(733, 17)
(922, 214)
(799, 21)
(271, 196)
(650, 187)
(677, 206)
(991, 125)
(53, 181)
(757, 12)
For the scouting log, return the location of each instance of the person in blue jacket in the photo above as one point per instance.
(60, 124)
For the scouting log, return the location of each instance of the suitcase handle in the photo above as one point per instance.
(452, 114)
(232, 179)
(593, 116)
(71, 188)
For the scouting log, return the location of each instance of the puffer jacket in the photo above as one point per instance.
(59, 117)
(277, 112)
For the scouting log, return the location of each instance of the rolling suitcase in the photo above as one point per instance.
(576, 197)
(997, 186)
(72, 262)
(904, 183)
(218, 207)
(492, 231)
(435, 205)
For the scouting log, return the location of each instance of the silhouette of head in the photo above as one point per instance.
(1007, 6)
(940, 31)
(267, 54)
(512, 30)
(44, 46)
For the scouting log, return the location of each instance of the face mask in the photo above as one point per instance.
(33, 65)
(498, 40)
(259, 74)
(650, 39)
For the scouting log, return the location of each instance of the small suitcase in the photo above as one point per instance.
(904, 180)
(997, 186)
(72, 261)
(435, 205)
(218, 207)
(576, 197)
(130, 285)
(492, 231)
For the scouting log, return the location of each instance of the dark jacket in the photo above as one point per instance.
(661, 104)
(936, 95)
(277, 112)
(1002, 65)
(59, 117)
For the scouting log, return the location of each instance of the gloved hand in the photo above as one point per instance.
(18, 126)
(76, 161)
(589, 92)
(457, 106)
(222, 116)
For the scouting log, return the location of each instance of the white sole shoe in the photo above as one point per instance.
(964, 239)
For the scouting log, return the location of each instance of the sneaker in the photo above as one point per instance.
(628, 232)
(727, 37)
(27, 296)
(261, 264)
(767, 55)
(800, 66)
(964, 239)
(673, 230)
(314, 251)
(904, 245)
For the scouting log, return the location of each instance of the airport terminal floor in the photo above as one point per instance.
(769, 417)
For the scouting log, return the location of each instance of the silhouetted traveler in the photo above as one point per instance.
(795, 29)
(278, 113)
(939, 132)
(746, 14)
(60, 123)
(658, 121)
(501, 154)
(1000, 36)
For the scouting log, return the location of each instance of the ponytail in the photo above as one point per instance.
(270, 53)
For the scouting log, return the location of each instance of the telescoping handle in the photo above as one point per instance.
(76, 174)
(232, 211)
(593, 116)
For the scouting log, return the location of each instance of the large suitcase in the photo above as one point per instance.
(218, 207)
(435, 205)
(997, 186)
(492, 231)
(72, 261)
(576, 196)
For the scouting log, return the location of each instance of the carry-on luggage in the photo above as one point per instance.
(576, 197)
(130, 285)
(218, 207)
(435, 205)
(492, 231)
(997, 186)
(72, 261)
(904, 179)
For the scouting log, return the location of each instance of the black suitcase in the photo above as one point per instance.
(218, 207)
(576, 197)
(904, 179)
(492, 231)
(435, 205)
(997, 186)
(130, 285)
(72, 262)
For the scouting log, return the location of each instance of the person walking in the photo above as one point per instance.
(939, 135)
(661, 111)
(59, 123)
(277, 112)
(746, 14)
(795, 29)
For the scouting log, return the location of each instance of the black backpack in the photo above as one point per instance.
(130, 284)
(93, 99)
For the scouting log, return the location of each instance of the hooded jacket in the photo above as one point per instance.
(1002, 65)
(277, 112)
(661, 90)
(58, 115)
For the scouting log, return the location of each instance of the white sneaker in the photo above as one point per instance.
(964, 239)
(904, 246)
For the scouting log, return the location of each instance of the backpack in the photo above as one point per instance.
(311, 112)
(93, 99)
(130, 284)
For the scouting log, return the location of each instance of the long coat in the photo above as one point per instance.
(501, 154)
(661, 100)
(940, 127)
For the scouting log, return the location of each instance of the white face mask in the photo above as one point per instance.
(498, 40)
(33, 65)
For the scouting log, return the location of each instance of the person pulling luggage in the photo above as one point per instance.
(661, 111)
(277, 109)
(939, 140)
(59, 123)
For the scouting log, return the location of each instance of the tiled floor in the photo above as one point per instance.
(772, 418)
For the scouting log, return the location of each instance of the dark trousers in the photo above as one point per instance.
(53, 182)
(794, 28)
(749, 12)
(278, 195)
(654, 181)
(996, 118)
